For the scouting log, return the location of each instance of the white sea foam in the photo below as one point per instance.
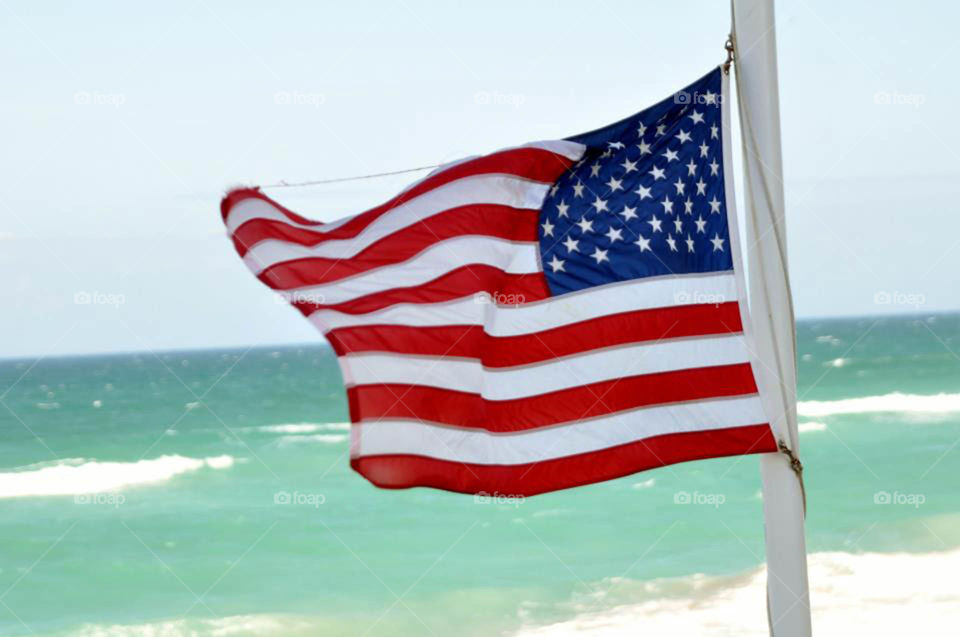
(915, 403)
(645, 484)
(219, 627)
(851, 594)
(78, 475)
(811, 426)
(330, 439)
(304, 427)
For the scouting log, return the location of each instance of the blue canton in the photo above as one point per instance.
(646, 199)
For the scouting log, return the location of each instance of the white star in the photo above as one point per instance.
(614, 184)
(689, 244)
(571, 245)
(696, 116)
(717, 243)
(667, 205)
(714, 132)
(661, 129)
(615, 234)
(644, 192)
(629, 166)
(701, 187)
(678, 184)
(691, 168)
(562, 208)
(616, 145)
(714, 166)
(547, 228)
(599, 255)
(657, 173)
(643, 243)
(683, 136)
(595, 170)
(553, 191)
(556, 264)
(578, 189)
(688, 207)
(644, 148)
(672, 243)
(701, 224)
(585, 226)
(703, 149)
(629, 213)
(710, 98)
(641, 129)
(678, 225)
(714, 205)
(671, 155)
(654, 224)
(599, 204)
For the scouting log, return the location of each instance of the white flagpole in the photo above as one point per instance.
(788, 599)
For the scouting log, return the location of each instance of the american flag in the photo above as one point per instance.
(543, 317)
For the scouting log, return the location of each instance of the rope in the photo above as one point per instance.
(297, 184)
(797, 467)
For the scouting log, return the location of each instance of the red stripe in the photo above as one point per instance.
(456, 284)
(481, 219)
(405, 471)
(237, 195)
(506, 351)
(462, 409)
(531, 163)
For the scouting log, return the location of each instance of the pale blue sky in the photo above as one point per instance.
(122, 126)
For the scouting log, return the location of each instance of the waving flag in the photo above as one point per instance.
(546, 316)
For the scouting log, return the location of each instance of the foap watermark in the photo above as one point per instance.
(495, 98)
(893, 297)
(299, 98)
(696, 297)
(703, 499)
(309, 298)
(903, 499)
(708, 98)
(496, 497)
(299, 499)
(95, 98)
(100, 499)
(85, 297)
(893, 98)
(499, 298)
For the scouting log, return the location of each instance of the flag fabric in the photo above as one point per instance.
(542, 317)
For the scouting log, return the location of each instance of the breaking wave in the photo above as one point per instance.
(304, 427)
(914, 403)
(78, 475)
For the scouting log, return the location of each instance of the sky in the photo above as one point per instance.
(124, 123)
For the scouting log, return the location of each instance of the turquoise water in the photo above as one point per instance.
(188, 459)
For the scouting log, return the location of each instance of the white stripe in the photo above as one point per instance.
(638, 294)
(507, 383)
(256, 208)
(481, 189)
(570, 150)
(437, 260)
(481, 447)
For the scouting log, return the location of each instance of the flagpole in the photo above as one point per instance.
(754, 34)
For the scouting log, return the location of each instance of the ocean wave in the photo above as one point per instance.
(330, 439)
(811, 426)
(303, 427)
(219, 627)
(74, 476)
(915, 403)
(851, 594)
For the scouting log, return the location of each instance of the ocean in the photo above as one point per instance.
(208, 493)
